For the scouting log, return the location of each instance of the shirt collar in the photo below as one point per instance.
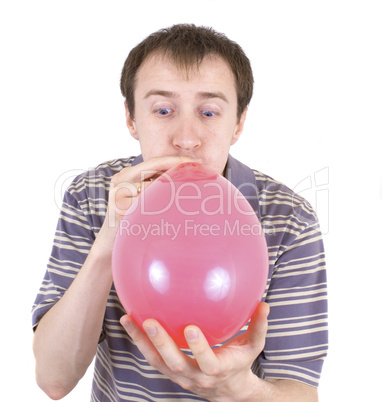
(243, 178)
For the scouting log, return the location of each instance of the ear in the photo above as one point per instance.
(130, 123)
(239, 127)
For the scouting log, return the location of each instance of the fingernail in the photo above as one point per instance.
(151, 331)
(192, 334)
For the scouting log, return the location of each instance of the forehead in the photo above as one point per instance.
(212, 74)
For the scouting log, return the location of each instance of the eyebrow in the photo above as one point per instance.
(211, 95)
(200, 95)
(167, 94)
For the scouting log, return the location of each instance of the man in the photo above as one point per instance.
(187, 90)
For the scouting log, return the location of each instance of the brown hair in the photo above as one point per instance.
(186, 45)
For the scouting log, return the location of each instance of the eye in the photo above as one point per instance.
(208, 113)
(163, 111)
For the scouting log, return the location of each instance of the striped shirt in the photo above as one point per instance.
(297, 338)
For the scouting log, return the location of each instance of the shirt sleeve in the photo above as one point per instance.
(297, 338)
(73, 239)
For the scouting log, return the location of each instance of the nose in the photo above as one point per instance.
(187, 138)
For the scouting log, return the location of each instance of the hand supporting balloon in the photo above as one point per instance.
(214, 374)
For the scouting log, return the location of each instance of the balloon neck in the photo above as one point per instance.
(189, 171)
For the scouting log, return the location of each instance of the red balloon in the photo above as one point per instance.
(191, 250)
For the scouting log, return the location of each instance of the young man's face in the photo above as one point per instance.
(194, 116)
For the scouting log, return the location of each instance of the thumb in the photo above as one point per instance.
(258, 326)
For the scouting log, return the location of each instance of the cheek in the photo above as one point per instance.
(154, 144)
(220, 140)
(215, 152)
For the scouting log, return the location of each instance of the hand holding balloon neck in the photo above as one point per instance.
(123, 192)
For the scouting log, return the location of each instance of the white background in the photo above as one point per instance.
(314, 123)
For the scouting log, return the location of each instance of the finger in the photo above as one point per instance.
(143, 343)
(204, 355)
(123, 194)
(124, 189)
(150, 168)
(142, 185)
(174, 358)
(121, 197)
(258, 326)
